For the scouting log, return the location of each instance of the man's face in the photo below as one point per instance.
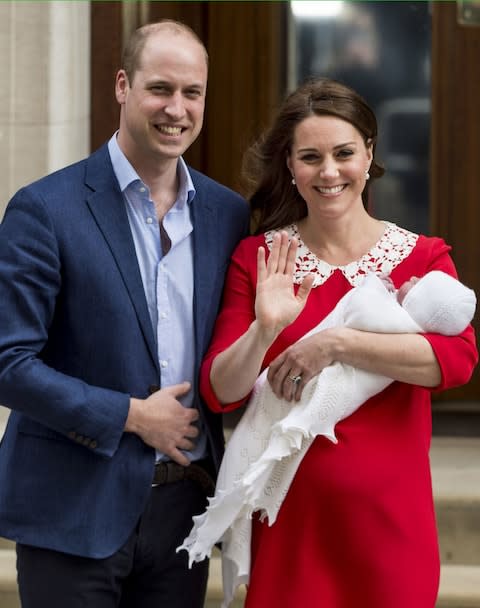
(162, 108)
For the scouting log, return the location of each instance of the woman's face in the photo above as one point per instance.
(329, 160)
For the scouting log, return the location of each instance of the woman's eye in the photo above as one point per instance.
(345, 153)
(308, 158)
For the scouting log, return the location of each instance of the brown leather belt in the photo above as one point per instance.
(170, 472)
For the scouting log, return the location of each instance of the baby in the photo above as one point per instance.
(438, 304)
(269, 442)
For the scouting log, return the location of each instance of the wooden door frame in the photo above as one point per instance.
(455, 152)
(246, 42)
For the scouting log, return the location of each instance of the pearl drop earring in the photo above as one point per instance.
(293, 181)
(367, 175)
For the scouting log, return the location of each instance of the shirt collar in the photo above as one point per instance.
(126, 174)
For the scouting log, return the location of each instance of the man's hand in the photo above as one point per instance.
(163, 423)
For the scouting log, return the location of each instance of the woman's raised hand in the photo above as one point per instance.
(276, 304)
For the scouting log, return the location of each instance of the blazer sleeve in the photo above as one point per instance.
(31, 289)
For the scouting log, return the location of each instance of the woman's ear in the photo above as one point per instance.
(289, 164)
(369, 146)
(290, 168)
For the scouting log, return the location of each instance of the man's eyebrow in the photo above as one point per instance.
(194, 85)
(170, 85)
(158, 82)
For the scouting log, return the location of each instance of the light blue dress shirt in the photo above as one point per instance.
(167, 280)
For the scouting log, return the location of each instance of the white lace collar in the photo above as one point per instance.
(393, 247)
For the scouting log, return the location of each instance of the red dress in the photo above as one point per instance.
(357, 527)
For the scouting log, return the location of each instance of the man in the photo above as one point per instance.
(111, 273)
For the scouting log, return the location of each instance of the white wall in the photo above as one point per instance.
(44, 89)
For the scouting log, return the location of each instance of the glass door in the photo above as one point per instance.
(381, 49)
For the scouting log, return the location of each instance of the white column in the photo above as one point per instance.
(44, 89)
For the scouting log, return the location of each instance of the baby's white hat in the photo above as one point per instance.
(440, 304)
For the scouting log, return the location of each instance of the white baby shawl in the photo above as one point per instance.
(273, 435)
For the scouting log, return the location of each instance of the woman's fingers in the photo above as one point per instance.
(284, 249)
(277, 301)
(261, 266)
(287, 383)
(282, 254)
(305, 288)
(273, 258)
(291, 257)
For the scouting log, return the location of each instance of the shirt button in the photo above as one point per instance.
(149, 220)
(163, 315)
(164, 363)
(142, 189)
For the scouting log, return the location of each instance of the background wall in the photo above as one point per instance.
(44, 89)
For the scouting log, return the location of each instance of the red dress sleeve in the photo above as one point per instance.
(236, 314)
(457, 356)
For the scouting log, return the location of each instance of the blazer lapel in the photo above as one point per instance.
(107, 206)
(205, 251)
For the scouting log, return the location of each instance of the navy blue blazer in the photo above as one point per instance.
(76, 342)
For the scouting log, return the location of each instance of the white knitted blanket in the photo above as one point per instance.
(273, 435)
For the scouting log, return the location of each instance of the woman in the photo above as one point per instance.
(357, 527)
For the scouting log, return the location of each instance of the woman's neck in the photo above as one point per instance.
(339, 243)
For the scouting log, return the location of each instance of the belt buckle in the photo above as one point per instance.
(168, 472)
(175, 472)
(161, 473)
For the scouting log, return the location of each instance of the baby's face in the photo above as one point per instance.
(405, 288)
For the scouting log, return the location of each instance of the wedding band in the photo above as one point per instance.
(295, 379)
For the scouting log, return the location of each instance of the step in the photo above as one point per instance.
(455, 465)
(6, 544)
(459, 585)
(8, 580)
(456, 418)
(9, 593)
(4, 413)
(214, 590)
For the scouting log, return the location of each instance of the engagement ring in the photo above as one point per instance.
(295, 379)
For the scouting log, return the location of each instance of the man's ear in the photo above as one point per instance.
(121, 86)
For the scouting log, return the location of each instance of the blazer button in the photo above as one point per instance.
(79, 438)
(93, 444)
(71, 435)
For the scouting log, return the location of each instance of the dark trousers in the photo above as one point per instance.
(145, 573)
